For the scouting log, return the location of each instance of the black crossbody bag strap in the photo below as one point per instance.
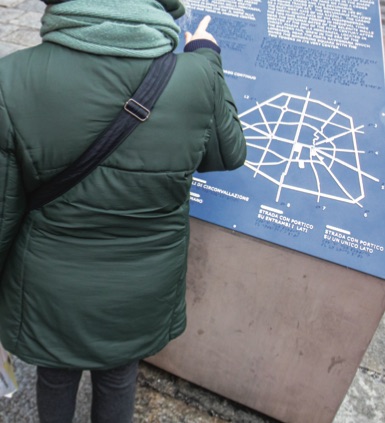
(135, 111)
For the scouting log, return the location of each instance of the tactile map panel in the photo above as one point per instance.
(308, 80)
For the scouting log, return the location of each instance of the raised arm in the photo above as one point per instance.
(226, 148)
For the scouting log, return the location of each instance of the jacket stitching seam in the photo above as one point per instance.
(154, 172)
(17, 132)
(19, 330)
(6, 168)
(183, 271)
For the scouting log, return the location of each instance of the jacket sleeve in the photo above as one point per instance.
(226, 146)
(12, 198)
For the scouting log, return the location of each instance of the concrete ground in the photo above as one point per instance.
(163, 398)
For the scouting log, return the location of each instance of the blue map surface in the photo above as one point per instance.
(308, 81)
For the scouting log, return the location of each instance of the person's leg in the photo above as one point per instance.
(56, 391)
(113, 394)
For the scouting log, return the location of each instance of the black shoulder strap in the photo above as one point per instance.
(136, 110)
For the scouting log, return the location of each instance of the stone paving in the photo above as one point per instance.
(163, 398)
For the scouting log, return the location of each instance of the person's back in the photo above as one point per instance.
(96, 278)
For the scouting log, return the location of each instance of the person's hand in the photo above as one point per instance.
(201, 32)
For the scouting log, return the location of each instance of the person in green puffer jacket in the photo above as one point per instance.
(95, 280)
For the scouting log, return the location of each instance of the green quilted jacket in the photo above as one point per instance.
(96, 278)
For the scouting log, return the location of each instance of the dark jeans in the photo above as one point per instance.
(113, 394)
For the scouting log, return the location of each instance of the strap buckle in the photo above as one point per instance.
(137, 110)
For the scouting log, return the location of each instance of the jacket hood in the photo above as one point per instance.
(174, 7)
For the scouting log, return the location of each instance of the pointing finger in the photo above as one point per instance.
(187, 37)
(204, 23)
